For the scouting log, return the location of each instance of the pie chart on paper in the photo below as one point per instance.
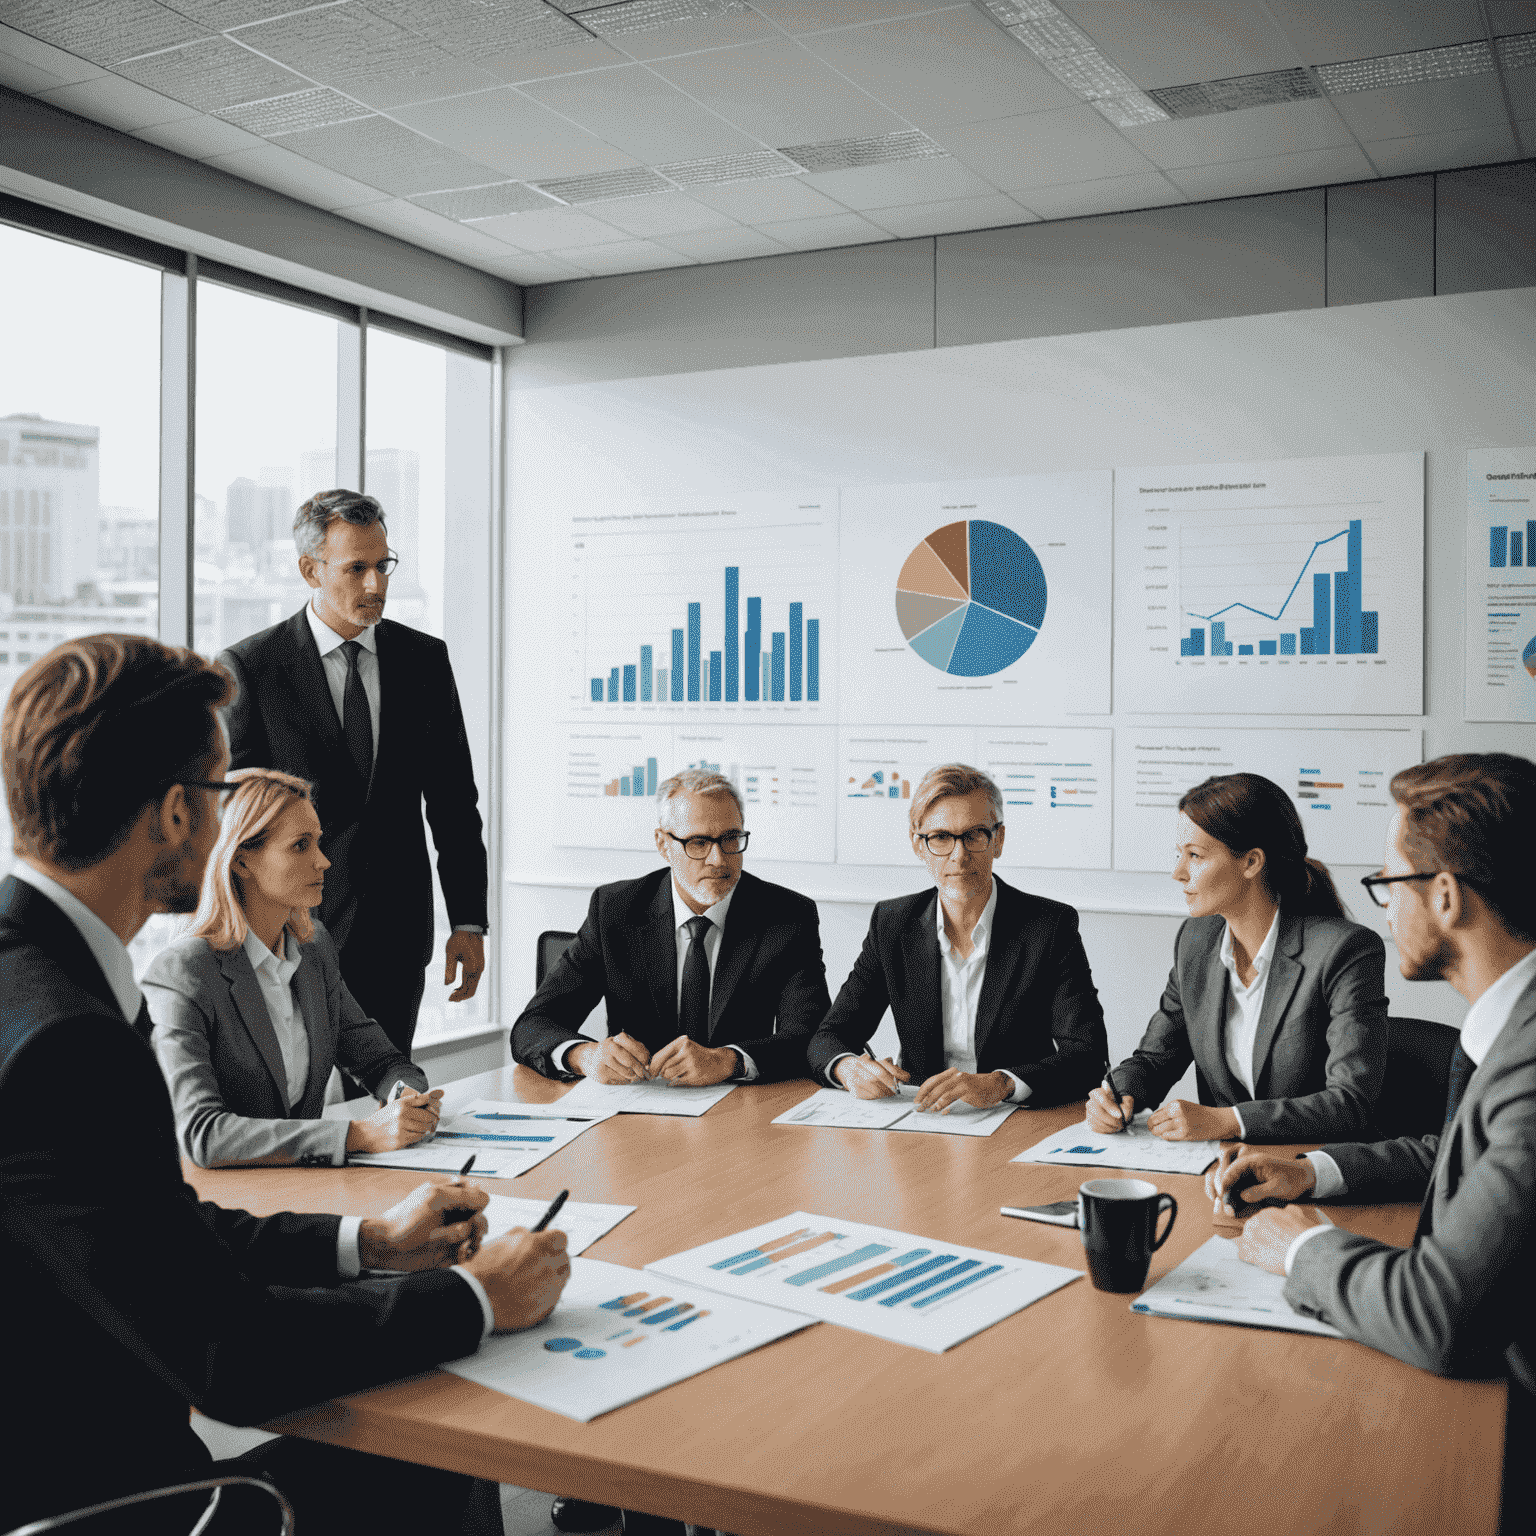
(971, 598)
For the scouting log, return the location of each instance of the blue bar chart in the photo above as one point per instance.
(1499, 638)
(1509, 546)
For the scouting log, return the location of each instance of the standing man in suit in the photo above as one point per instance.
(113, 762)
(991, 990)
(708, 972)
(1458, 889)
(367, 711)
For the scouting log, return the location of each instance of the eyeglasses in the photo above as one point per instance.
(360, 568)
(698, 847)
(1372, 884)
(941, 844)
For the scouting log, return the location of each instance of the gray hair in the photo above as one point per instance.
(313, 520)
(950, 779)
(693, 781)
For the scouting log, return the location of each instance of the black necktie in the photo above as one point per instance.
(693, 1007)
(356, 717)
(1462, 1068)
(143, 1025)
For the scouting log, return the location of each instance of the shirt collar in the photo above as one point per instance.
(1487, 1017)
(1261, 960)
(979, 934)
(109, 952)
(682, 912)
(281, 967)
(327, 638)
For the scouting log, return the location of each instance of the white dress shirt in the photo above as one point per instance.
(682, 915)
(333, 660)
(1244, 1005)
(276, 977)
(1483, 1025)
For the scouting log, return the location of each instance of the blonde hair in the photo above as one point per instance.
(264, 794)
(952, 779)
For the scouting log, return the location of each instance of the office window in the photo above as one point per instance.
(79, 451)
(266, 440)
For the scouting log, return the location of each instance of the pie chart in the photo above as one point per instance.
(971, 598)
(1527, 656)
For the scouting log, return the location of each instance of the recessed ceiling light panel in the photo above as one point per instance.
(1518, 51)
(850, 154)
(1091, 75)
(293, 113)
(1131, 111)
(490, 202)
(652, 15)
(103, 31)
(601, 186)
(1454, 63)
(718, 170)
(1237, 94)
(1049, 37)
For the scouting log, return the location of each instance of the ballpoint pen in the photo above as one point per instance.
(553, 1211)
(1109, 1083)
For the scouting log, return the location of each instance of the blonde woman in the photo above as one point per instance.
(250, 1010)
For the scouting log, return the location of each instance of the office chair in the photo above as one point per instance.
(551, 945)
(1413, 1092)
(216, 1486)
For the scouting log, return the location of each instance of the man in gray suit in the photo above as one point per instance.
(1458, 887)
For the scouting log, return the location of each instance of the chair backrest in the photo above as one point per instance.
(552, 944)
(1413, 1093)
(214, 1486)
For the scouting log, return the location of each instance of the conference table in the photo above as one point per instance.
(1075, 1415)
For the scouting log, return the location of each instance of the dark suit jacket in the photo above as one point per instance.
(131, 1300)
(769, 992)
(283, 717)
(1039, 1015)
(1458, 1301)
(224, 1066)
(1321, 1046)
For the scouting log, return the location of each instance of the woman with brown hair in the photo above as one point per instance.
(1275, 995)
(250, 1009)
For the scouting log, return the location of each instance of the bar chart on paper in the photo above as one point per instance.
(912, 1290)
(1501, 584)
(723, 609)
(1292, 587)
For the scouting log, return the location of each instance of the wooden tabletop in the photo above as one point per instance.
(1073, 1416)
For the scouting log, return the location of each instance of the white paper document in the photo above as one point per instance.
(1136, 1147)
(1213, 1285)
(655, 1096)
(911, 1290)
(616, 1337)
(582, 1221)
(506, 1139)
(1501, 584)
(835, 1107)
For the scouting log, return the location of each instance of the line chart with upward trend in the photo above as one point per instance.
(1289, 587)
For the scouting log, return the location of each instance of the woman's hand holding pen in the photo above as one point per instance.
(866, 1078)
(400, 1123)
(1103, 1115)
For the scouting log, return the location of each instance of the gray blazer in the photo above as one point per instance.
(224, 1066)
(1321, 1047)
(1459, 1299)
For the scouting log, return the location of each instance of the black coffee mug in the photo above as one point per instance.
(1118, 1218)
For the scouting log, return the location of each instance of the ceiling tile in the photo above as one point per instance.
(318, 106)
(283, 171)
(117, 103)
(627, 256)
(587, 53)
(778, 93)
(1428, 107)
(102, 31)
(724, 31)
(994, 212)
(27, 78)
(364, 54)
(1043, 148)
(220, 15)
(1442, 151)
(64, 67)
(519, 137)
(821, 234)
(1273, 173)
(905, 182)
(1508, 16)
(519, 267)
(1328, 31)
(723, 244)
(1521, 84)
(385, 155)
(559, 229)
(200, 138)
(668, 213)
(645, 116)
(818, 15)
(487, 202)
(1114, 194)
(755, 202)
(472, 29)
(946, 67)
(1285, 128)
(212, 73)
(1177, 42)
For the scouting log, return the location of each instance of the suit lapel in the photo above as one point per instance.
(1004, 954)
(1205, 1017)
(738, 944)
(1284, 977)
(922, 953)
(313, 704)
(246, 992)
(658, 940)
(384, 635)
(309, 992)
(47, 926)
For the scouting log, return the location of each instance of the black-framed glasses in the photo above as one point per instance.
(360, 568)
(698, 847)
(1382, 898)
(942, 844)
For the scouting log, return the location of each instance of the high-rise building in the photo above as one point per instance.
(255, 514)
(394, 477)
(317, 472)
(49, 493)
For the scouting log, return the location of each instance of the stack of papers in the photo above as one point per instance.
(835, 1107)
(656, 1096)
(1136, 1147)
(506, 1138)
(1213, 1285)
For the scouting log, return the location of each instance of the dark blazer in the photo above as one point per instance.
(223, 1064)
(1321, 1046)
(282, 717)
(138, 1301)
(770, 985)
(1039, 1015)
(1458, 1300)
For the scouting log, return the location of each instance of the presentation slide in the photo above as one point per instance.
(975, 602)
(1337, 779)
(1501, 585)
(719, 610)
(1290, 587)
